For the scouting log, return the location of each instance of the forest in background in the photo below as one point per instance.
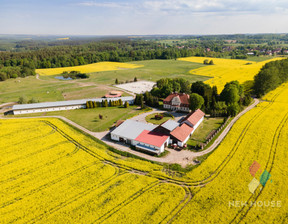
(21, 55)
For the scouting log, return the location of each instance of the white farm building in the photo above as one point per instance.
(153, 139)
(141, 135)
(61, 105)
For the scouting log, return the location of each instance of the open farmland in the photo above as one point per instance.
(47, 88)
(226, 70)
(51, 172)
(95, 67)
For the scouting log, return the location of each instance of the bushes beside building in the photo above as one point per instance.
(106, 103)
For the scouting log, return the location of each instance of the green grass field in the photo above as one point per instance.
(89, 118)
(151, 71)
(50, 89)
(208, 125)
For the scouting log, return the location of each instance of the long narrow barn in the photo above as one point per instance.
(62, 105)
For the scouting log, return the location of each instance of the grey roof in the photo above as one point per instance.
(170, 125)
(131, 129)
(66, 103)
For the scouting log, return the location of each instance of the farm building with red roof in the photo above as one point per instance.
(151, 141)
(194, 119)
(177, 102)
(181, 134)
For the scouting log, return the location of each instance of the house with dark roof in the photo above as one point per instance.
(177, 102)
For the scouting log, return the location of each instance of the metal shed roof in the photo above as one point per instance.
(170, 125)
(66, 103)
(131, 129)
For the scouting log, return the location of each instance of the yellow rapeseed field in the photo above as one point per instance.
(52, 173)
(261, 135)
(95, 67)
(226, 70)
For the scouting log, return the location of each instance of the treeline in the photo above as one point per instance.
(106, 103)
(271, 75)
(22, 64)
(229, 102)
(118, 51)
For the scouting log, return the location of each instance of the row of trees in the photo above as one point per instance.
(106, 103)
(272, 75)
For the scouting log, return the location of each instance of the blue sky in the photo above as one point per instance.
(127, 17)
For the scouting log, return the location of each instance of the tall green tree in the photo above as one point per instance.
(196, 101)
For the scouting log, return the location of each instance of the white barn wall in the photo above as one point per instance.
(50, 109)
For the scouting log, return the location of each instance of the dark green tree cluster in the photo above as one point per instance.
(166, 86)
(22, 69)
(151, 100)
(232, 95)
(229, 102)
(139, 99)
(148, 98)
(196, 101)
(207, 62)
(210, 95)
(24, 100)
(75, 75)
(272, 75)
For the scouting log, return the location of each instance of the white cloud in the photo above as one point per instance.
(195, 6)
(105, 4)
(191, 6)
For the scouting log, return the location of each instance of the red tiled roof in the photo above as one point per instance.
(193, 118)
(182, 132)
(184, 98)
(151, 138)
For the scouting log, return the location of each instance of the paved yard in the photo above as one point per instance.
(137, 87)
(141, 117)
